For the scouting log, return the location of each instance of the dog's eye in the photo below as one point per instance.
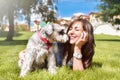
(61, 32)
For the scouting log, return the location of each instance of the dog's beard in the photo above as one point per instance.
(61, 38)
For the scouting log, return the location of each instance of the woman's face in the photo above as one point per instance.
(75, 31)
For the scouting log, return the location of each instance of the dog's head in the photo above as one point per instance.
(55, 32)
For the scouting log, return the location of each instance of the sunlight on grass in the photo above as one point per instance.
(106, 62)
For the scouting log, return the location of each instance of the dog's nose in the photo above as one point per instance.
(62, 32)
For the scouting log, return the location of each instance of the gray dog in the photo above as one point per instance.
(40, 49)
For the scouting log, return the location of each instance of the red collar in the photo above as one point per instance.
(44, 40)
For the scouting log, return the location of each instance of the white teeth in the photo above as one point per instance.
(72, 37)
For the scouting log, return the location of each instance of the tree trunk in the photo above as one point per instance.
(11, 25)
(29, 20)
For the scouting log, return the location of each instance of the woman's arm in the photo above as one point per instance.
(77, 62)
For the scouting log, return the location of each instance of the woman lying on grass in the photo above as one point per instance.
(81, 44)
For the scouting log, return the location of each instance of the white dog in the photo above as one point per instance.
(40, 49)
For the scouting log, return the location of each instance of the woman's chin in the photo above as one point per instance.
(72, 42)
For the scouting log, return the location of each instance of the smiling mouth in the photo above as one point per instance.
(72, 37)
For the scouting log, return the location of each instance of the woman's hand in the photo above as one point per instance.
(82, 40)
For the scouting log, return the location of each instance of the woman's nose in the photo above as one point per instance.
(71, 31)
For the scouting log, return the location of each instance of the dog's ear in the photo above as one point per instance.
(49, 29)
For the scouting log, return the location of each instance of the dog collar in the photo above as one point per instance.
(44, 40)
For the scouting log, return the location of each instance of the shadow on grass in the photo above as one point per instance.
(117, 40)
(14, 42)
(96, 64)
(5, 33)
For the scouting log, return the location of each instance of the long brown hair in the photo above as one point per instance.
(87, 49)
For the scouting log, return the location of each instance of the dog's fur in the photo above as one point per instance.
(37, 51)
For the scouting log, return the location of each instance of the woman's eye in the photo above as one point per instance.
(77, 29)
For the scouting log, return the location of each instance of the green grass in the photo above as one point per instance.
(106, 62)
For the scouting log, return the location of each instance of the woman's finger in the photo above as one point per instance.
(82, 36)
(85, 37)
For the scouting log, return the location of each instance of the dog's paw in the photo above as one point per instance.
(52, 70)
(22, 75)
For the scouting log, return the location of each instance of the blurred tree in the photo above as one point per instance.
(48, 10)
(109, 9)
(7, 8)
(25, 6)
(12, 8)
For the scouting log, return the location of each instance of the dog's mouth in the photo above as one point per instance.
(51, 40)
(62, 38)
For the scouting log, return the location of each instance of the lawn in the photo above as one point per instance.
(106, 62)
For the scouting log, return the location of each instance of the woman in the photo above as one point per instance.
(81, 44)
